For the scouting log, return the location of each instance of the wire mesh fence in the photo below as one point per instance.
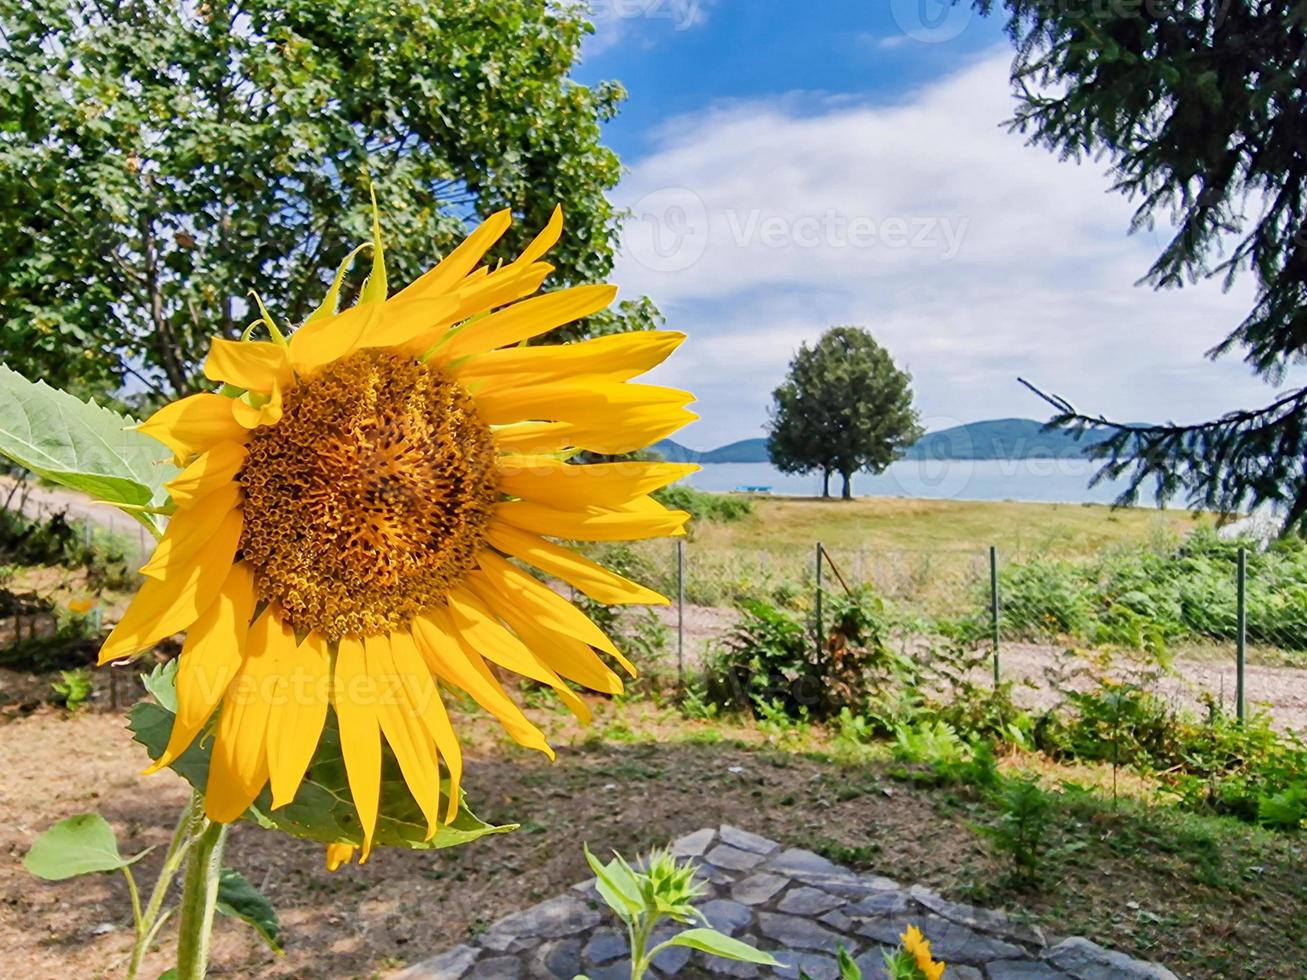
(1206, 600)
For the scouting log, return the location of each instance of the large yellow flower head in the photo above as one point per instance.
(354, 509)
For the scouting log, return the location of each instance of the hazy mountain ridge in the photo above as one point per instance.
(990, 439)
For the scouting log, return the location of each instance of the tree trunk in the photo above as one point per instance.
(847, 494)
(825, 483)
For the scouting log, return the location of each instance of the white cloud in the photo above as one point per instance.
(617, 21)
(973, 257)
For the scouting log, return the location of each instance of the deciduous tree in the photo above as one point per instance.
(844, 407)
(158, 157)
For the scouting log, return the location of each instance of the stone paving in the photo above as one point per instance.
(793, 903)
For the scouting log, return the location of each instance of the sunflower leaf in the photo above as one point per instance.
(713, 942)
(239, 899)
(81, 845)
(323, 809)
(79, 445)
(162, 683)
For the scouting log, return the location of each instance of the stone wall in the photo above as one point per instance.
(793, 903)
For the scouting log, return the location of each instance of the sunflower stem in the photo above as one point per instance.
(199, 900)
(147, 925)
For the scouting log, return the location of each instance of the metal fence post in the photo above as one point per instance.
(994, 606)
(680, 613)
(1241, 634)
(817, 646)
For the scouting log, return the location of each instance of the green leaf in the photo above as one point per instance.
(849, 969)
(81, 845)
(78, 444)
(323, 809)
(162, 683)
(712, 941)
(617, 886)
(241, 900)
(169, 974)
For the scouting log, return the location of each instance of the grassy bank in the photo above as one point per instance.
(932, 553)
(898, 524)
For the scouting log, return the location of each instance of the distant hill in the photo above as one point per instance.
(1000, 439)
(744, 451)
(991, 439)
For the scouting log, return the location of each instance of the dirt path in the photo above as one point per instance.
(38, 502)
(1280, 691)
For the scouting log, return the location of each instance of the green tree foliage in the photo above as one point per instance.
(1199, 106)
(844, 407)
(158, 159)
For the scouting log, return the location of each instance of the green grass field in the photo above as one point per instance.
(896, 524)
(930, 554)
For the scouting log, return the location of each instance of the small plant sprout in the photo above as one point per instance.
(666, 889)
(74, 688)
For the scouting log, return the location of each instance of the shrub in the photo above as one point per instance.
(1025, 814)
(722, 508)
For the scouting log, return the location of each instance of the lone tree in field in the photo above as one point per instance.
(845, 407)
(1198, 106)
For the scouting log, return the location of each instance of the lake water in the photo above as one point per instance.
(1039, 480)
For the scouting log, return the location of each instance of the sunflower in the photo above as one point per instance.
(355, 510)
(919, 947)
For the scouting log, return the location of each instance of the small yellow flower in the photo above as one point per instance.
(81, 606)
(354, 510)
(339, 854)
(919, 946)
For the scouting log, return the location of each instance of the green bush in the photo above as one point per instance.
(722, 508)
(56, 540)
(1148, 595)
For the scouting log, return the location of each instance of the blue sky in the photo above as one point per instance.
(793, 166)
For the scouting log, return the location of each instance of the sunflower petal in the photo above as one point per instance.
(593, 579)
(461, 260)
(238, 770)
(617, 357)
(252, 410)
(526, 319)
(594, 524)
(251, 364)
(209, 660)
(548, 480)
(536, 437)
(162, 608)
(402, 321)
(475, 299)
(483, 631)
(546, 239)
(568, 656)
(194, 424)
(210, 471)
(300, 712)
(455, 663)
(189, 530)
(355, 699)
(411, 743)
(331, 338)
(425, 697)
(546, 606)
